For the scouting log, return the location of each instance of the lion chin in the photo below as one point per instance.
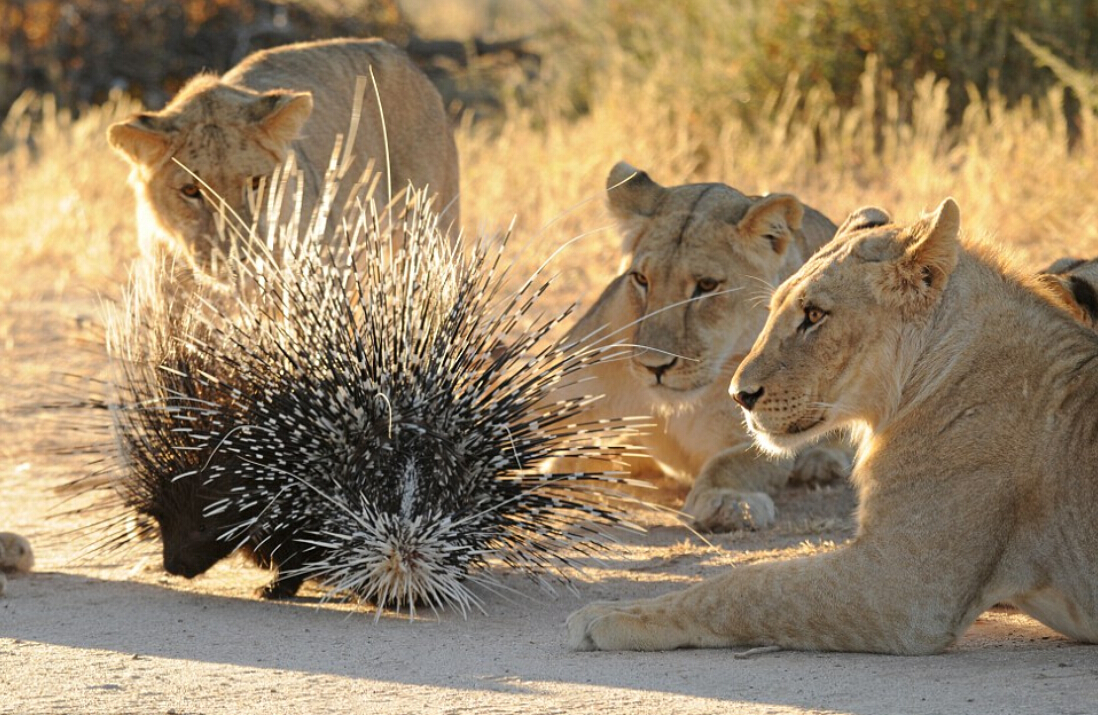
(793, 438)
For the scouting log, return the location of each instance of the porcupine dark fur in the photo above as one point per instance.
(165, 396)
(370, 418)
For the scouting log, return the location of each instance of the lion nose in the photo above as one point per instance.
(747, 398)
(659, 370)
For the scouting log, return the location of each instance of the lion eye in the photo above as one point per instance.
(707, 285)
(640, 279)
(191, 191)
(812, 317)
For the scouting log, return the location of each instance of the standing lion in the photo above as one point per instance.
(221, 136)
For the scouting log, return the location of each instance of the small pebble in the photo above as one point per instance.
(15, 553)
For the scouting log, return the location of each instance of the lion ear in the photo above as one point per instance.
(865, 217)
(1063, 290)
(632, 192)
(282, 114)
(775, 218)
(931, 252)
(142, 139)
(1063, 265)
(633, 197)
(1085, 296)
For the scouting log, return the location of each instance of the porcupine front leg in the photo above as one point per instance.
(286, 563)
(902, 597)
(281, 587)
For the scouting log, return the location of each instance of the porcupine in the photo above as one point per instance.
(154, 464)
(165, 389)
(368, 418)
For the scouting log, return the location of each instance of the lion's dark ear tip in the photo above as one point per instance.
(865, 217)
(632, 192)
(625, 173)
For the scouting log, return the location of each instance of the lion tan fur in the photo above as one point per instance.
(234, 131)
(974, 397)
(699, 262)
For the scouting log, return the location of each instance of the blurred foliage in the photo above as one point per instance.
(82, 51)
(733, 55)
(705, 60)
(78, 50)
(971, 43)
(1084, 84)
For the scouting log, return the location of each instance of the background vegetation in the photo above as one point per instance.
(843, 102)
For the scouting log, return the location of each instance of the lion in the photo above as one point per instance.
(682, 313)
(1076, 282)
(220, 137)
(973, 397)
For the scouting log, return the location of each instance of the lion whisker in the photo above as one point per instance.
(767, 285)
(584, 339)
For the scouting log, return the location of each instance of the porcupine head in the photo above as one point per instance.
(190, 536)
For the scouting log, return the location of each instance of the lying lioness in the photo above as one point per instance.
(975, 398)
(677, 321)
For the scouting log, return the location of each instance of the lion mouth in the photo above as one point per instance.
(681, 391)
(671, 381)
(805, 425)
(758, 423)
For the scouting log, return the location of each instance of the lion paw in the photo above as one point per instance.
(820, 465)
(605, 625)
(721, 510)
(580, 623)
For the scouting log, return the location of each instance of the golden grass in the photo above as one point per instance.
(1009, 169)
(65, 208)
(68, 223)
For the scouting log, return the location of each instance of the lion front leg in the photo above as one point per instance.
(822, 464)
(837, 601)
(730, 493)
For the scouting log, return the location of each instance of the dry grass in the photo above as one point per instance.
(65, 207)
(68, 226)
(1010, 169)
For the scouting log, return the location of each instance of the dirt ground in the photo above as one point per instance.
(114, 634)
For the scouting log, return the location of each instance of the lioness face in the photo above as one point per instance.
(830, 353)
(201, 155)
(701, 260)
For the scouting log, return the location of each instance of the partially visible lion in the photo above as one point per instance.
(15, 556)
(1076, 281)
(221, 136)
(700, 261)
(974, 395)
